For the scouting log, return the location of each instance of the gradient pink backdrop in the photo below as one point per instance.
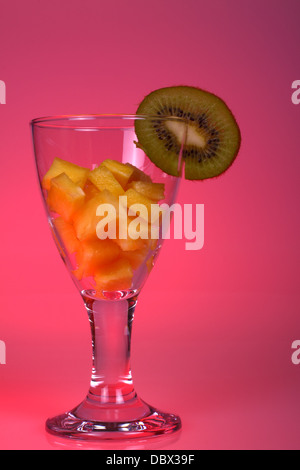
(213, 329)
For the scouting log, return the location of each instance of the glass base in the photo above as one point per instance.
(150, 424)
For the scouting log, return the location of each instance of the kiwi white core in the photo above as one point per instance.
(193, 137)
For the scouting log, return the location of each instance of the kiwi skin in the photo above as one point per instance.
(200, 110)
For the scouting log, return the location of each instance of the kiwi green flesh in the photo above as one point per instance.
(212, 139)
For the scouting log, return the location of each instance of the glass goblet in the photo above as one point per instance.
(109, 274)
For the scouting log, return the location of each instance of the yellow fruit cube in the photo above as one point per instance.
(138, 175)
(115, 276)
(65, 197)
(67, 235)
(154, 191)
(86, 219)
(103, 179)
(76, 173)
(135, 236)
(121, 172)
(133, 197)
(96, 253)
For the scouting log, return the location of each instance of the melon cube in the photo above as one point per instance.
(103, 179)
(154, 191)
(115, 276)
(86, 219)
(65, 197)
(96, 253)
(76, 173)
(121, 172)
(67, 235)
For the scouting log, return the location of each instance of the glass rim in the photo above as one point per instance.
(50, 121)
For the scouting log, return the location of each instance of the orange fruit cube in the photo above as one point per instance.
(136, 234)
(86, 219)
(76, 173)
(137, 257)
(67, 235)
(90, 190)
(115, 276)
(65, 197)
(96, 253)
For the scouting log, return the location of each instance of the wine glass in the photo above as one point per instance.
(67, 149)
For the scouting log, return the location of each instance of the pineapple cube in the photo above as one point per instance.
(136, 227)
(121, 172)
(86, 219)
(154, 191)
(115, 276)
(65, 197)
(96, 253)
(138, 175)
(133, 197)
(103, 178)
(76, 173)
(67, 234)
(90, 190)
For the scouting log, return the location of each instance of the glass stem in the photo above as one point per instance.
(111, 326)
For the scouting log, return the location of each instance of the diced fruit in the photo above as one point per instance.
(154, 191)
(90, 190)
(138, 175)
(65, 197)
(67, 234)
(103, 178)
(130, 243)
(76, 173)
(116, 276)
(76, 194)
(96, 253)
(136, 258)
(78, 273)
(133, 197)
(121, 171)
(85, 220)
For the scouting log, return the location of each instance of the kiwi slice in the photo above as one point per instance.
(212, 134)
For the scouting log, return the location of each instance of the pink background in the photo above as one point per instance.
(213, 330)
